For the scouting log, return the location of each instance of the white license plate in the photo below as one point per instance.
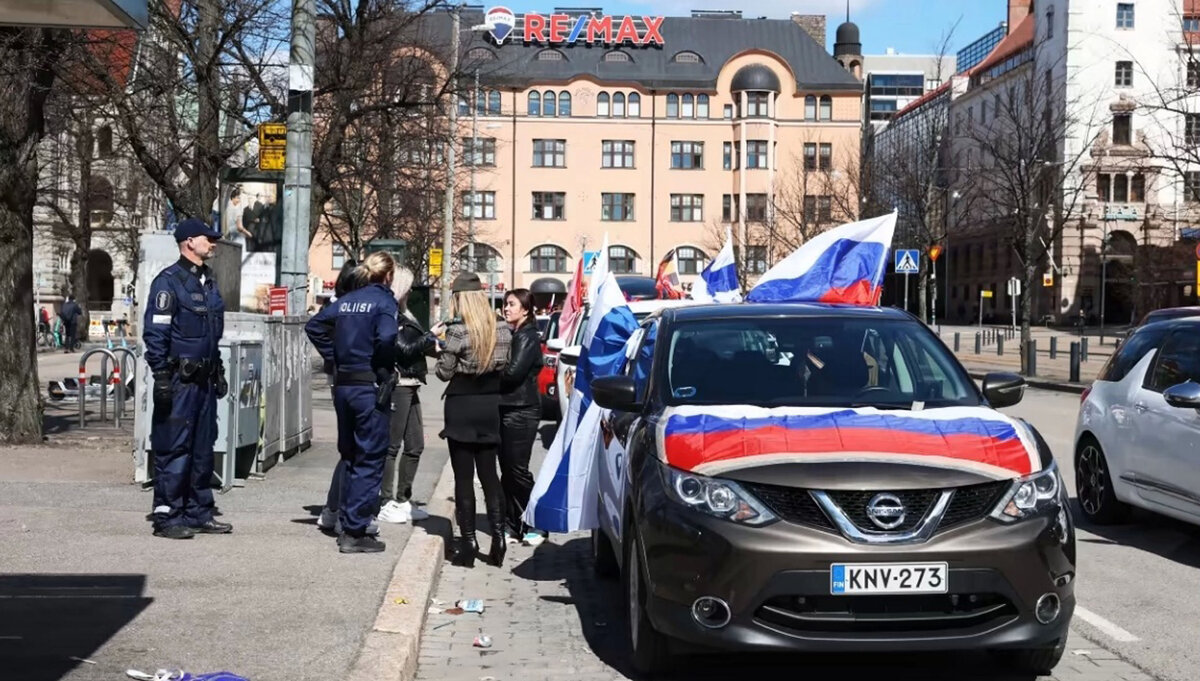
(888, 578)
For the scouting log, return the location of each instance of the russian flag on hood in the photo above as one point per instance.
(844, 265)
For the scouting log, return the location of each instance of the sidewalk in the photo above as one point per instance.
(1056, 370)
(82, 577)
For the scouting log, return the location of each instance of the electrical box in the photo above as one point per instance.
(239, 413)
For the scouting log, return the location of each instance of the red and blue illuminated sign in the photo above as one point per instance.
(564, 29)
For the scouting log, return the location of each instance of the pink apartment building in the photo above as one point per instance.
(660, 145)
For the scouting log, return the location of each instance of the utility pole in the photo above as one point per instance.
(448, 208)
(476, 156)
(297, 178)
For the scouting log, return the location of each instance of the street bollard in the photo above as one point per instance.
(1031, 358)
(957, 341)
(1000, 346)
(1053, 347)
(978, 343)
(1074, 363)
(1083, 354)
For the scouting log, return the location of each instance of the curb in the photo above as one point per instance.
(391, 647)
(1056, 386)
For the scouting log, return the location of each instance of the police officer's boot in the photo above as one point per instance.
(175, 532)
(464, 547)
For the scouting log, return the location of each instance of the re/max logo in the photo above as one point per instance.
(565, 29)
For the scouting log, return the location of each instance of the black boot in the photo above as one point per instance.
(499, 546)
(464, 547)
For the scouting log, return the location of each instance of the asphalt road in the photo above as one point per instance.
(1139, 583)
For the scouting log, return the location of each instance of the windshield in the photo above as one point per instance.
(813, 361)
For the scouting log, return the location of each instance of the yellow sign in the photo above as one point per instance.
(1048, 279)
(985, 294)
(272, 158)
(272, 135)
(934, 251)
(435, 262)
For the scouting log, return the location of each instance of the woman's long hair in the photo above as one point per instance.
(480, 320)
(377, 268)
(347, 279)
(525, 299)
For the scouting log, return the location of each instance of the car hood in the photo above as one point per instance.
(978, 442)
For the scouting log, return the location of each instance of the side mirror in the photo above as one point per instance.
(1183, 396)
(1003, 390)
(569, 356)
(618, 393)
(555, 344)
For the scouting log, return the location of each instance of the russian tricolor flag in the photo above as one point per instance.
(844, 265)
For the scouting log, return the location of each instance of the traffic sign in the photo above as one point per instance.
(272, 135)
(272, 158)
(1048, 279)
(1014, 287)
(908, 261)
(590, 258)
(934, 251)
(985, 294)
(435, 262)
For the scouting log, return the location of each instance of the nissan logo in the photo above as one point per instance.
(886, 511)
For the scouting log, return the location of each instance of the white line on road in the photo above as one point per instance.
(1114, 631)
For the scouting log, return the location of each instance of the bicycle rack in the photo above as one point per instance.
(83, 384)
(124, 373)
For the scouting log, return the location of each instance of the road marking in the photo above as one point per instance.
(1114, 631)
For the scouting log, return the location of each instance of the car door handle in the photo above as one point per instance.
(1140, 407)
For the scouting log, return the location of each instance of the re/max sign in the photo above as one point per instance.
(566, 29)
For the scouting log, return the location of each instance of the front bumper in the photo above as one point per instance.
(776, 582)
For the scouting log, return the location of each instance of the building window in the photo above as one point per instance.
(104, 141)
(549, 205)
(618, 105)
(826, 157)
(687, 58)
(548, 259)
(690, 260)
(1137, 188)
(635, 105)
(672, 105)
(1191, 128)
(549, 107)
(1193, 72)
(339, 257)
(1124, 76)
(1104, 187)
(1120, 188)
(622, 260)
(702, 106)
(824, 209)
(756, 207)
(728, 211)
(617, 56)
(756, 104)
(810, 156)
(687, 155)
(1124, 15)
(687, 208)
(826, 108)
(756, 259)
(1122, 130)
(1191, 23)
(551, 55)
(810, 108)
(481, 207)
(688, 108)
(727, 155)
(564, 104)
(480, 54)
(1191, 186)
(1049, 22)
(727, 112)
(602, 104)
(756, 154)
(535, 104)
(817, 209)
(616, 207)
(616, 154)
(487, 259)
(549, 153)
(493, 102)
(483, 153)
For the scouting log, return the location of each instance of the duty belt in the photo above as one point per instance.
(355, 378)
(193, 370)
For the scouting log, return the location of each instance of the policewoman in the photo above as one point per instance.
(358, 333)
(184, 320)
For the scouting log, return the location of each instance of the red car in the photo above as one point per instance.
(546, 384)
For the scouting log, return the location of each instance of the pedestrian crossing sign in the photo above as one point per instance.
(908, 261)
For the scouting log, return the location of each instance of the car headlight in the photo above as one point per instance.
(1033, 495)
(721, 498)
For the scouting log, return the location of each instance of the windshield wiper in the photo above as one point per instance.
(896, 406)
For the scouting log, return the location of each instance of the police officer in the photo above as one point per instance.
(358, 333)
(185, 318)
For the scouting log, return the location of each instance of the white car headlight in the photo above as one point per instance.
(721, 498)
(1032, 495)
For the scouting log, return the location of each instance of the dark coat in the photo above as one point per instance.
(518, 380)
(412, 345)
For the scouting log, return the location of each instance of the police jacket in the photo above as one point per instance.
(518, 379)
(185, 317)
(412, 344)
(358, 332)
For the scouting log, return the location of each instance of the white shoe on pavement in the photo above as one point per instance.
(414, 513)
(393, 512)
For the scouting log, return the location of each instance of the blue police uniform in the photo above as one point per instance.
(358, 333)
(184, 321)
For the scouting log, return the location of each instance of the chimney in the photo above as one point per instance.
(1017, 11)
(813, 24)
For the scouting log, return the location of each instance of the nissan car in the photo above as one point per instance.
(806, 477)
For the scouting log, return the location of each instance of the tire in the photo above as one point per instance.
(1036, 661)
(604, 559)
(650, 653)
(1093, 485)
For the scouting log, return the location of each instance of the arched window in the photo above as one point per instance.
(548, 103)
(101, 198)
(464, 105)
(564, 103)
(602, 104)
(689, 107)
(535, 104)
(551, 55)
(480, 54)
(493, 102)
(487, 259)
(617, 56)
(619, 105)
(672, 105)
(548, 258)
(691, 260)
(687, 58)
(702, 106)
(810, 108)
(826, 108)
(635, 105)
(622, 260)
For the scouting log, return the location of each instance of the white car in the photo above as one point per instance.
(568, 355)
(1137, 439)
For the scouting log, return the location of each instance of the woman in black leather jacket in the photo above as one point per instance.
(520, 412)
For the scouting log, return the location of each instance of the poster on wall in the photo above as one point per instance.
(258, 277)
(252, 217)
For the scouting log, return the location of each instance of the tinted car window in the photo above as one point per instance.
(812, 361)
(1178, 362)
(1132, 351)
(1170, 313)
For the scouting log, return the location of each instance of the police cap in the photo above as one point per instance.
(194, 227)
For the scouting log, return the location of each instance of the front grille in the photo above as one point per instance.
(792, 504)
(854, 505)
(882, 614)
(972, 503)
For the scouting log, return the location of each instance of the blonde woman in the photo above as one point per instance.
(475, 351)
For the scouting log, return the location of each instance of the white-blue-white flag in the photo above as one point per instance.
(599, 271)
(564, 495)
(718, 281)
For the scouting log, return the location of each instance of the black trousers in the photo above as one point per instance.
(518, 430)
(407, 429)
(468, 459)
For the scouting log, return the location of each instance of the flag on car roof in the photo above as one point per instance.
(718, 281)
(573, 305)
(563, 497)
(667, 279)
(844, 265)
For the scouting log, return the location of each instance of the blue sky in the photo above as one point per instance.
(910, 26)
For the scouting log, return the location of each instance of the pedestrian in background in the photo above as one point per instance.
(358, 333)
(520, 412)
(413, 343)
(476, 348)
(70, 314)
(185, 318)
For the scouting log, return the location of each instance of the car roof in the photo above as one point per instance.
(646, 306)
(1171, 323)
(744, 310)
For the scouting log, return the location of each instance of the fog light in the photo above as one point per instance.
(1047, 609)
(710, 612)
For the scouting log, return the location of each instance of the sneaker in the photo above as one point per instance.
(328, 520)
(393, 512)
(533, 538)
(414, 513)
(364, 544)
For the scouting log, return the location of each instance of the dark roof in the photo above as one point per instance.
(1170, 314)
(847, 41)
(715, 40)
(755, 77)
(693, 313)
